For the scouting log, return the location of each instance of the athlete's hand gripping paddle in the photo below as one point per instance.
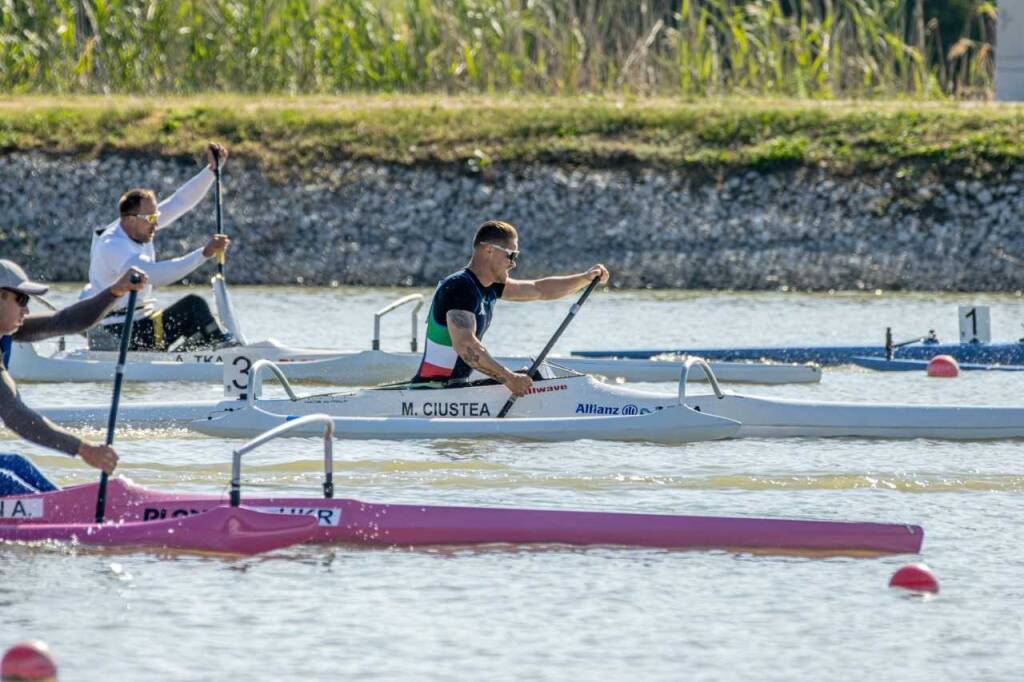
(547, 349)
(122, 356)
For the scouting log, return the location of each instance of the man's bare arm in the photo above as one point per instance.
(550, 288)
(462, 329)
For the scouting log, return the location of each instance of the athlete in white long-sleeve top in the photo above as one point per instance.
(128, 242)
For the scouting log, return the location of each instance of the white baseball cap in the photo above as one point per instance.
(14, 278)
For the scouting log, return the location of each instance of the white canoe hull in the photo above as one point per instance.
(571, 398)
(673, 425)
(754, 417)
(353, 368)
(566, 397)
(564, 409)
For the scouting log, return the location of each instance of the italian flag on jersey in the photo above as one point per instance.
(439, 357)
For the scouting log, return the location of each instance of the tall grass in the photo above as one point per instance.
(803, 48)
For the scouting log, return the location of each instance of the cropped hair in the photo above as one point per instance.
(495, 231)
(132, 200)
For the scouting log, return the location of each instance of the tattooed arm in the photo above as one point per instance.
(462, 329)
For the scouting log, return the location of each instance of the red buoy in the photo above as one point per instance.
(943, 366)
(28, 661)
(917, 577)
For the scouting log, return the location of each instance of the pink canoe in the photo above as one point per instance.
(216, 526)
(352, 521)
(222, 529)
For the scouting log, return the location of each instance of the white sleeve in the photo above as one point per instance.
(185, 199)
(164, 272)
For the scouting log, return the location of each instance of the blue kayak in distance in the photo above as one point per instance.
(883, 365)
(982, 353)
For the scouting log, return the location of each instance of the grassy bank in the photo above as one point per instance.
(479, 132)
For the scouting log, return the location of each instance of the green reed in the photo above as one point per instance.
(801, 48)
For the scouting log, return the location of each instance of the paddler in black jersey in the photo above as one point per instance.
(17, 325)
(464, 303)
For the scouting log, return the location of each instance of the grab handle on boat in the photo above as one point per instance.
(685, 375)
(391, 306)
(252, 391)
(266, 437)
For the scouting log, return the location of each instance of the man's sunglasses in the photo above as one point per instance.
(151, 218)
(513, 256)
(19, 298)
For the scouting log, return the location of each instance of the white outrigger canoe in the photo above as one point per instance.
(566, 407)
(559, 408)
(347, 368)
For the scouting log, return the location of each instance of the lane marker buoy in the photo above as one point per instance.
(917, 577)
(29, 660)
(943, 366)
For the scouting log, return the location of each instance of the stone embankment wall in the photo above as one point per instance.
(360, 223)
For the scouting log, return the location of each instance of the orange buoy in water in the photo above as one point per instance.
(917, 577)
(943, 366)
(28, 661)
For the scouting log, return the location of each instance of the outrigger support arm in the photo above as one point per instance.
(685, 375)
(252, 391)
(398, 304)
(264, 438)
(890, 347)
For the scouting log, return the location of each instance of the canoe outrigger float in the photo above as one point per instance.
(562, 406)
(345, 368)
(888, 365)
(1011, 353)
(975, 348)
(142, 517)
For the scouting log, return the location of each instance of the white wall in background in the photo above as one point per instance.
(1010, 51)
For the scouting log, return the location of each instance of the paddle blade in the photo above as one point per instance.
(225, 310)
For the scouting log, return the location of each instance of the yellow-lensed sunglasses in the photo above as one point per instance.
(151, 218)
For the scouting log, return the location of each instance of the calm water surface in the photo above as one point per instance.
(327, 613)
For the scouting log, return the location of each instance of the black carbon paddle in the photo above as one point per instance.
(547, 349)
(220, 208)
(122, 355)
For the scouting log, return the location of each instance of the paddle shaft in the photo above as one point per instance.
(220, 208)
(554, 339)
(122, 355)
